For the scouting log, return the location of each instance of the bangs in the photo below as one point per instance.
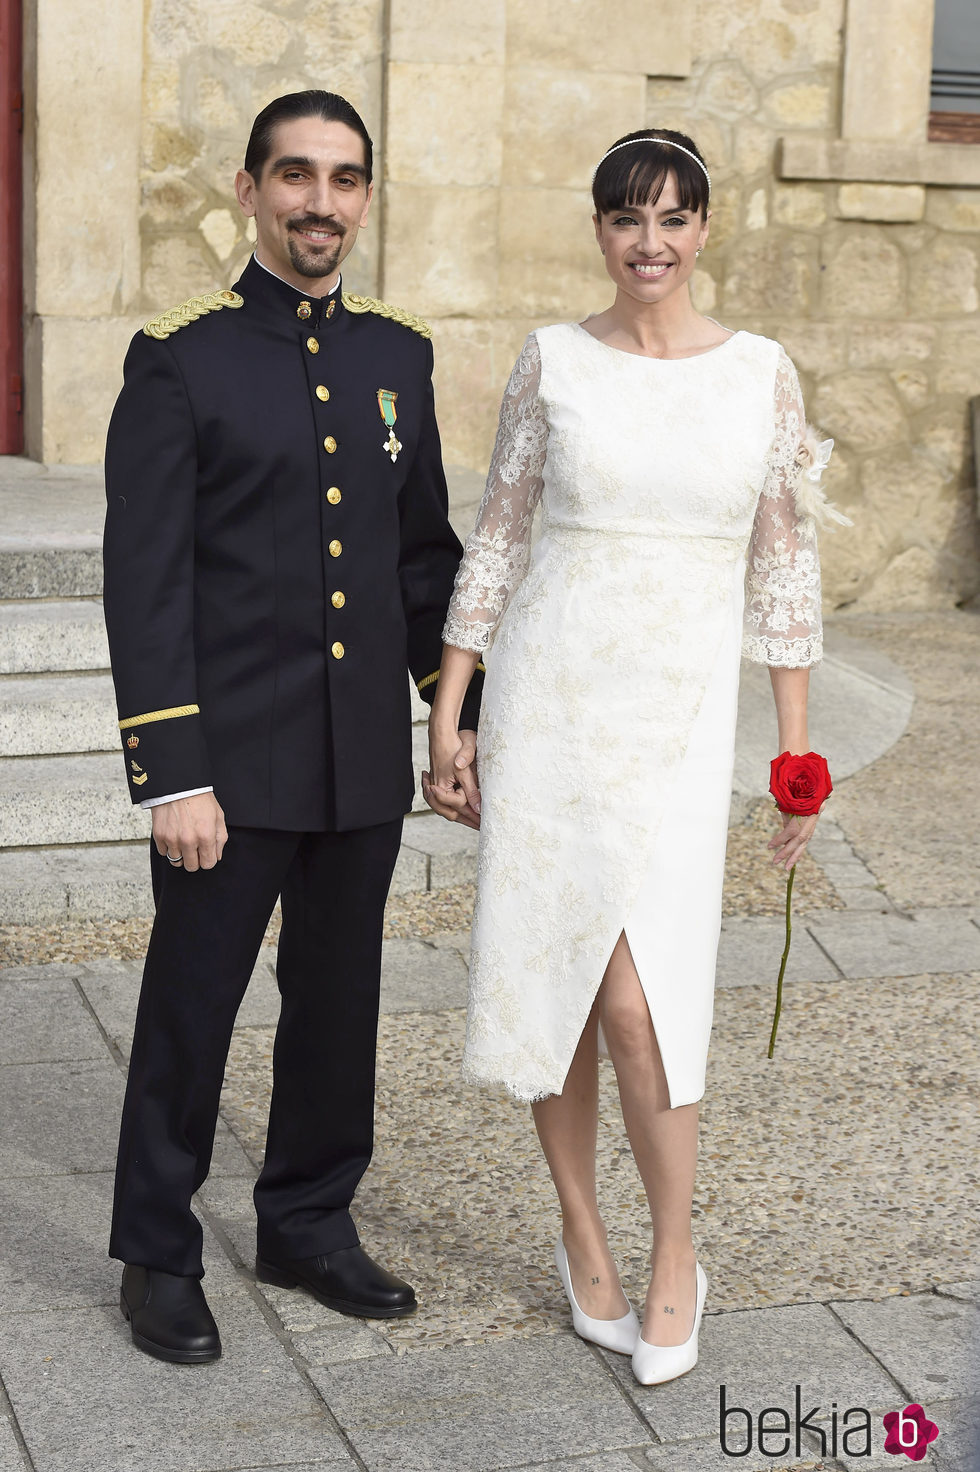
(637, 176)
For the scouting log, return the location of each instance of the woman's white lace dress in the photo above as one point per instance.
(670, 498)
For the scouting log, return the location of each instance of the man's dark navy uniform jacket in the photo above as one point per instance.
(270, 570)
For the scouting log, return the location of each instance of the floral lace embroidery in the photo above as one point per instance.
(783, 623)
(497, 551)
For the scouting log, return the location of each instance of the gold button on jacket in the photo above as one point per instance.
(330, 444)
(335, 548)
(322, 393)
(338, 600)
(333, 495)
(312, 344)
(337, 650)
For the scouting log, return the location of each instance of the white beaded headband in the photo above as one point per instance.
(668, 142)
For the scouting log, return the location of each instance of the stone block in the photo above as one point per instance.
(750, 948)
(175, 267)
(539, 33)
(87, 1402)
(416, 977)
(753, 146)
(913, 582)
(886, 83)
(862, 409)
(36, 637)
(799, 105)
(927, 1343)
(467, 390)
(35, 808)
(10, 1453)
(80, 375)
(536, 280)
(907, 487)
(340, 1345)
(540, 148)
(442, 31)
(444, 124)
(760, 1356)
(799, 205)
(450, 847)
(883, 344)
(43, 1021)
(411, 872)
(479, 1408)
(772, 275)
(926, 941)
(55, 1233)
(442, 258)
(91, 270)
(59, 1118)
(887, 202)
(864, 275)
(943, 280)
(44, 714)
(92, 882)
(726, 89)
(954, 209)
(168, 201)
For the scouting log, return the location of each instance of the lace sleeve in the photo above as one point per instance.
(496, 555)
(782, 581)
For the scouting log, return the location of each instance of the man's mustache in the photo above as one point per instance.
(311, 222)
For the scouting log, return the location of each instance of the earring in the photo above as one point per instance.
(699, 250)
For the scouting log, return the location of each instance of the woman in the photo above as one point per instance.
(667, 453)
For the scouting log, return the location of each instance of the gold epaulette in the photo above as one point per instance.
(356, 303)
(196, 306)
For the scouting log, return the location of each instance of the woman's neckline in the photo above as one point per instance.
(648, 357)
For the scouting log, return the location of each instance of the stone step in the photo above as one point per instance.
(53, 714)
(67, 800)
(51, 520)
(38, 636)
(110, 881)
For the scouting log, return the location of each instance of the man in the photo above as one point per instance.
(277, 551)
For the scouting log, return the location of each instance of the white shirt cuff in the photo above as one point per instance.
(154, 802)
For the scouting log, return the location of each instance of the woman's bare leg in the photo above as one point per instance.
(567, 1124)
(664, 1143)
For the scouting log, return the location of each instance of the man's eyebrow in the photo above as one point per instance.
(298, 161)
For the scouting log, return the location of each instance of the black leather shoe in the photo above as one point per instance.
(168, 1316)
(346, 1280)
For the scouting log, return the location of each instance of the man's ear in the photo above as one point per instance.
(245, 192)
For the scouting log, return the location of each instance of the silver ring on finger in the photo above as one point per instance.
(175, 861)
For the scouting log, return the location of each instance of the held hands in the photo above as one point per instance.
(450, 786)
(193, 828)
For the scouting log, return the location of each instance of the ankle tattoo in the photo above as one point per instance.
(667, 1310)
(594, 1281)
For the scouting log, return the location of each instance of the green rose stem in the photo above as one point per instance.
(782, 964)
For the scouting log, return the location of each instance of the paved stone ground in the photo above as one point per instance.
(836, 1218)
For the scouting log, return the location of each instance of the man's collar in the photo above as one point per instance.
(255, 258)
(266, 291)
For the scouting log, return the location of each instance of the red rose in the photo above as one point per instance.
(800, 784)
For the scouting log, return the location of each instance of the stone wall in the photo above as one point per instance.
(835, 227)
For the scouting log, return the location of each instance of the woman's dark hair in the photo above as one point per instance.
(633, 176)
(329, 106)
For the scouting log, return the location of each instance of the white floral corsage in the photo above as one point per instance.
(810, 497)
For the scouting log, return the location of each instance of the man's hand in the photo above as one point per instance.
(451, 787)
(192, 828)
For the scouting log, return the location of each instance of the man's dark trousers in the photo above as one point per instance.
(206, 936)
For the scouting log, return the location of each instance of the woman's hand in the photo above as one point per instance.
(790, 844)
(450, 786)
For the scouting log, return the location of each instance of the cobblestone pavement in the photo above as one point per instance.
(836, 1204)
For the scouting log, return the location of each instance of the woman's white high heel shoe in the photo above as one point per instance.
(619, 1335)
(655, 1363)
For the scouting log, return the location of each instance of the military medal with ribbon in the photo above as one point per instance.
(386, 403)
